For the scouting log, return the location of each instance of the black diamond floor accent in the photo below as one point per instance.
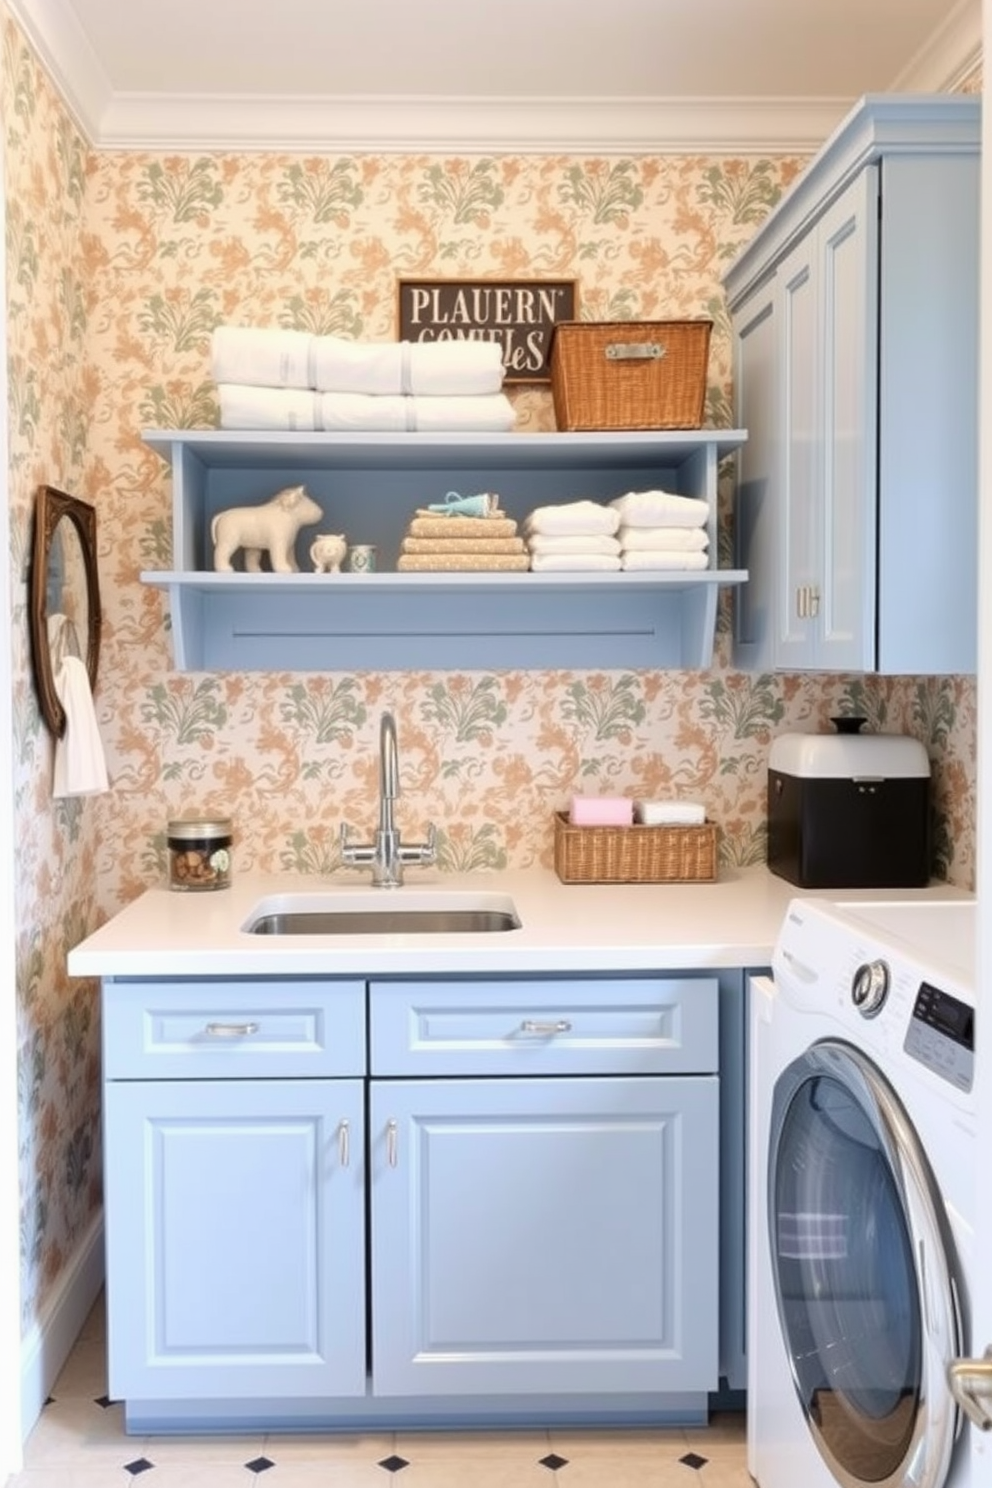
(553, 1462)
(259, 1464)
(139, 1465)
(693, 1459)
(103, 1401)
(394, 1464)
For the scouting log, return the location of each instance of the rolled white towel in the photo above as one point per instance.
(246, 407)
(589, 543)
(660, 560)
(670, 539)
(416, 368)
(670, 813)
(574, 563)
(660, 509)
(258, 357)
(573, 519)
(346, 412)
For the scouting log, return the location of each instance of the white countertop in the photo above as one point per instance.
(564, 927)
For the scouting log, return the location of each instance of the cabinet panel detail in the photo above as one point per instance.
(544, 1235)
(233, 1029)
(565, 1026)
(235, 1240)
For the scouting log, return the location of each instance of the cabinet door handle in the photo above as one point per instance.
(530, 1025)
(392, 1153)
(814, 601)
(801, 593)
(231, 1030)
(344, 1143)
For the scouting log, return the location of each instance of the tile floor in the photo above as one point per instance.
(78, 1442)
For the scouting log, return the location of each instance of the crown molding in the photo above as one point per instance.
(415, 125)
(950, 54)
(52, 27)
(472, 125)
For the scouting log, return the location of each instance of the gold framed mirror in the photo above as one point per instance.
(63, 595)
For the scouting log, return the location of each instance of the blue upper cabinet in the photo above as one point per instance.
(855, 320)
(368, 488)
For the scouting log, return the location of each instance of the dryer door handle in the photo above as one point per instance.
(971, 1385)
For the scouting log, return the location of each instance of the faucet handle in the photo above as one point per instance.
(428, 851)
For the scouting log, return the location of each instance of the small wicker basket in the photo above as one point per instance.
(635, 374)
(635, 854)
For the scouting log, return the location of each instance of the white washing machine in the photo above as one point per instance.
(861, 1171)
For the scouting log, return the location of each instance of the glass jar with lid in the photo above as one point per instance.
(199, 853)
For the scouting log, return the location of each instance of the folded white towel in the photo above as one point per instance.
(671, 539)
(658, 559)
(670, 813)
(417, 368)
(590, 543)
(80, 768)
(573, 518)
(660, 509)
(245, 407)
(489, 412)
(261, 357)
(574, 563)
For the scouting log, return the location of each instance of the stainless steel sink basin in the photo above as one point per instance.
(383, 912)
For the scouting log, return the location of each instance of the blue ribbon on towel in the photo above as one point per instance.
(453, 505)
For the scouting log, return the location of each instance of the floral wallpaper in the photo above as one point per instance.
(119, 266)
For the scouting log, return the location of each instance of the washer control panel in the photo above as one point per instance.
(941, 1035)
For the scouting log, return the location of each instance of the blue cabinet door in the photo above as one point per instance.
(552, 1235)
(235, 1223)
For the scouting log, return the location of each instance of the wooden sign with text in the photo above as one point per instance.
(518, 313)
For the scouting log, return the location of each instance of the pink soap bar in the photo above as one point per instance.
(601, 811)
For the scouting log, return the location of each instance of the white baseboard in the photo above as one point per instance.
(45, 1348)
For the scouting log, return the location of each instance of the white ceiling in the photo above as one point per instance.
(489, 74)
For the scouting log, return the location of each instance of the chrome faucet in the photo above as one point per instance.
(387, 854)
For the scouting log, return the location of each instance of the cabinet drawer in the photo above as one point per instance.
(212, 1029)
(563, 1025)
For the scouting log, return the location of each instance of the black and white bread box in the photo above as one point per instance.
(849, 810)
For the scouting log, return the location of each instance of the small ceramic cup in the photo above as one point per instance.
(361, 558)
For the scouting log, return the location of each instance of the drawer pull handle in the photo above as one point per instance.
(392, 1153)
(231, 1030)
(530, 1025)
(344, 1143)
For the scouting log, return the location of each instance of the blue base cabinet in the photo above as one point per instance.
(334, 1204)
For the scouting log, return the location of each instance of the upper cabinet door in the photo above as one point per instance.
(801, 436)
(847, 296)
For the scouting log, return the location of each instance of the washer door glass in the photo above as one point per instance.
(853, 1213)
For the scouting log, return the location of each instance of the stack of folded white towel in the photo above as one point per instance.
(578, 536)
(659, 530)
(273, 379)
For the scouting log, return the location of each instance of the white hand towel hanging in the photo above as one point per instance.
(80, 767)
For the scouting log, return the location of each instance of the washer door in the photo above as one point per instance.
(864, 1272)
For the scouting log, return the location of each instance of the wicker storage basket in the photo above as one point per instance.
(633, 374)
(634, 854)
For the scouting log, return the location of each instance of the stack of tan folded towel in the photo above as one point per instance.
(275, 379)
(578, 536)
(436, 542)
(658, 530)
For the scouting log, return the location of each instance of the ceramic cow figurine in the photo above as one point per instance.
(269, 528)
